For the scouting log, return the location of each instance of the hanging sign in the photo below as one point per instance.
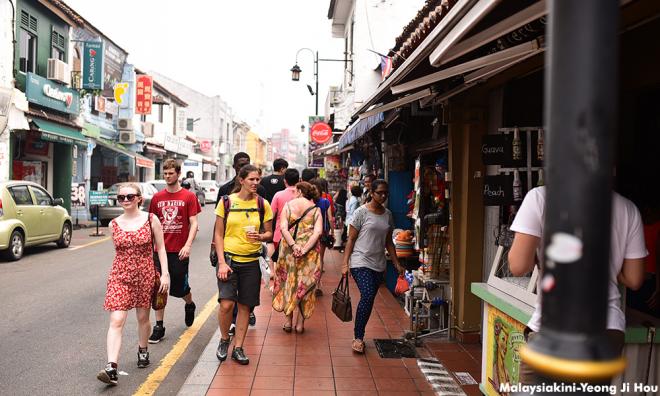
(143, 94)
(496, 149)
(92, 65)
(321, 133)
(313, 145)
(498, 190)
(121, 95)
(205, 145)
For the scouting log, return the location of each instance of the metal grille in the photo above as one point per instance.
(395, 349)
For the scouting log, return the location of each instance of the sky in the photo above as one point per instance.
(242, 50)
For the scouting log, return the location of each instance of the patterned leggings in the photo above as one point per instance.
(367, 281)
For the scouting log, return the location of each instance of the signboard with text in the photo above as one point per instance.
(98, 198)
(321, 133)
(50, 94)
(311, 161)
(93, 69)
(143, 94)
(78, 195)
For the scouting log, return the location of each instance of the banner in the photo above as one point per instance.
(143, 94)
(311, 161)
(504, 338)
(92, 65)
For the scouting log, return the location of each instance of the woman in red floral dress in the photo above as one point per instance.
(132, 277)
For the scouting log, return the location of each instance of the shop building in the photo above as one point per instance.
(457, 128)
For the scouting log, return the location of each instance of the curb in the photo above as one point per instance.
(199, 380)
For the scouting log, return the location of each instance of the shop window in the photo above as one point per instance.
(27, 58)
(190, 124)
(160, 113)
(20, 195)
(143, 117)
(58, 45)
(43, 198)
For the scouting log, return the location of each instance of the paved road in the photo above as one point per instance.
(53, 326)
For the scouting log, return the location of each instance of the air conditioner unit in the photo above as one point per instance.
(125, 124)
(58, 71)
(148, 129)
(126, 137)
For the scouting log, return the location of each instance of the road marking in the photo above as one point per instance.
(90, 244)
(153, 381)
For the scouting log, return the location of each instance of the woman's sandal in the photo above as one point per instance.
(358, 346)
(302, 330)
(287, 328)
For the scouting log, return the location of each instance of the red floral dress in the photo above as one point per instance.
(132, 276)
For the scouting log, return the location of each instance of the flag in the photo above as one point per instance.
(385, 66)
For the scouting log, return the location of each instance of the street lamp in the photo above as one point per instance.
(296, 70)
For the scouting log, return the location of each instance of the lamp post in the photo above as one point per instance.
(296, 70)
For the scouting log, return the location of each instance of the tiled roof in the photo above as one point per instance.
(418, 29)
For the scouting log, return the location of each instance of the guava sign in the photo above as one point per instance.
(321, 133)
(93, 65)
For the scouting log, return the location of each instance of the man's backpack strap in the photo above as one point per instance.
(262, 211)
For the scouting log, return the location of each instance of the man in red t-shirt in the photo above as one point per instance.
(177, 210)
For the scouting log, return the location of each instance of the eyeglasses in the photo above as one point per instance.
(382, 193)
(127, 197)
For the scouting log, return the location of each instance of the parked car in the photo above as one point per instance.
(161, 184)
(30, 216)
(210, 188)
(114, 209)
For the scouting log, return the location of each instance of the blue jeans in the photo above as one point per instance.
(367, 281)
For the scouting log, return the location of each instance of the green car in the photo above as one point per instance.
(30, 216)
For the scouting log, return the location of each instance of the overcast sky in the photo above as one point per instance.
(240, 50)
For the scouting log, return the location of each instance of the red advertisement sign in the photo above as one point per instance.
(205, 145)
(321, 133)
(143, 94)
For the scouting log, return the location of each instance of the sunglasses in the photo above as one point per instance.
(382, 193)
(127, 197)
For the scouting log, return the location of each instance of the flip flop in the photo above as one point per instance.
(358, 346)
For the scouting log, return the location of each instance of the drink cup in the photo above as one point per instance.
(249, 229)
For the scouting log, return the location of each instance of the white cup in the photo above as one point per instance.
(249, 228)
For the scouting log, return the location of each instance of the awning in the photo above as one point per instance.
(140, 160)
(330, 149)
(399, 102)
(359, 128)
(59, 133)
(154, 149)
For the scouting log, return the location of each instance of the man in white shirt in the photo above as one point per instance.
(627, 253)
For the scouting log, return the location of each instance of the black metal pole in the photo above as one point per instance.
(581, 114)
(316, 77)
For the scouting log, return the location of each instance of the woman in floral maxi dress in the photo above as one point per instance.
(298, 269)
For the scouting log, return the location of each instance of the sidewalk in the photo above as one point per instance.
(320, 361)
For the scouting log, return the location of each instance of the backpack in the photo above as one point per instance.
(227, 206)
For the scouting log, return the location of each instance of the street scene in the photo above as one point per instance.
(329, 197)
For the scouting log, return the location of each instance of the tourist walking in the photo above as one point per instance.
(132, 277)
(275, 182)
(369, 234)
(291, 178)
(177, 209)
(298, 270)
(327, 212)
(243, 222)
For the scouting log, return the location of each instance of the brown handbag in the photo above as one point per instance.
(341, 301)
(158, 300)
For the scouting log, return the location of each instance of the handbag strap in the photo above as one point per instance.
(296, 222)
(343, 285)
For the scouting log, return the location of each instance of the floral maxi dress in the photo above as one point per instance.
(296, 278)
(132, 276)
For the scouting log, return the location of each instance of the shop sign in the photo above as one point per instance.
(121, 92)
(111, 108)
(496, 149)
(205, 146)
(321, 133)
(36, 146)
(333, 162)
(99, 104)
(180, 121)
(313, 162)
(78, 195)
(186, 147)
(144, 162)
(50, 94)
(98, 198)
(93, 65)
(172, 143)
(113, 64)
(504, 338)
(143, 94)
(498, 190)
(209, 168)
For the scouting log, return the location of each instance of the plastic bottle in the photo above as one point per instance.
(517, 189)
(516, 145)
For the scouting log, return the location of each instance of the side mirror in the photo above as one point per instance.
(58, 202)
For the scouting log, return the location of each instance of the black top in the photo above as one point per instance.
(272, 184)
(228, 187)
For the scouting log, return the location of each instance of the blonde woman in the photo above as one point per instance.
(132, 277)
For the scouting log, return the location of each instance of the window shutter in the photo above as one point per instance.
(61, 40)
(25, 20)
(33, 24)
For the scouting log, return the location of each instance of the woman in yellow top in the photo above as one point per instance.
(238, 238)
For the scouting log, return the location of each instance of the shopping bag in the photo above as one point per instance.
(341, 301)
(401, 285)
(265, 271)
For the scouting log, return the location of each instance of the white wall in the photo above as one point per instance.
(6, 68)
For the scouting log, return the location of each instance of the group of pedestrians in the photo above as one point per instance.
(287, 217)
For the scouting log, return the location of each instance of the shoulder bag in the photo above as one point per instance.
(341, 301)
(158, 300)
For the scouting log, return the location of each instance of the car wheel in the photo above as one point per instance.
(16, 246)
(65, 237)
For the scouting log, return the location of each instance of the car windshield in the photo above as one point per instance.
(207, 183)
(159, 186)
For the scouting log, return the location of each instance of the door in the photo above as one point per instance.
(27, 212)
(50, 221)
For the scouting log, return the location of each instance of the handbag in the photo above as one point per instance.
(341, 301)
(158, 300)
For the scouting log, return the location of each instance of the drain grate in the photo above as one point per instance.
(395, 349)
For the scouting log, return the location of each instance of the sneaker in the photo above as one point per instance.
(157, 334)
(190, 314)
(253, 319)
(223, 348)
(143, 359)
(239, 356)
(232, 330)
(108, 375)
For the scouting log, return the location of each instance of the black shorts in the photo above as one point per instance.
(179, 286)
(243, 285)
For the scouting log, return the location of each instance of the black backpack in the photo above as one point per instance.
(226, 202)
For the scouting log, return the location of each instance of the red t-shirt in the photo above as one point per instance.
(174, 211)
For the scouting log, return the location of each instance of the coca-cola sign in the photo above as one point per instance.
(321, 133)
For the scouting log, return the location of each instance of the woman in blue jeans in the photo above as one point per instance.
(369, 234)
